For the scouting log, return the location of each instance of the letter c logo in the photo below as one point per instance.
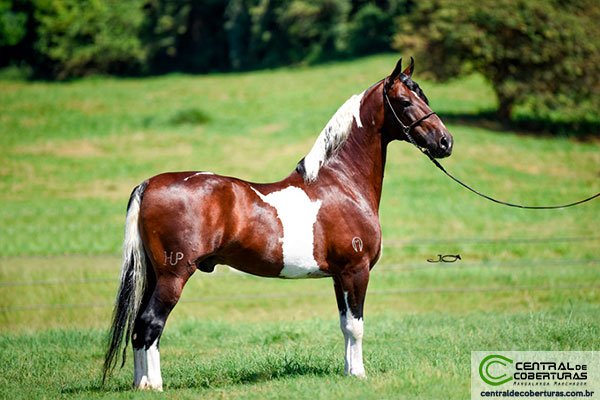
(487, 376)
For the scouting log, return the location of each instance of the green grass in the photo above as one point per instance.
(426, 355)
(72, 152)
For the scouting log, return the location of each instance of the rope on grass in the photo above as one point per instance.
(491, 264)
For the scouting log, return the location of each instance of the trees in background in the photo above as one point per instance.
(541, 53)
(13, 24)
(545, 54)
(76, 38)
(69, 38)
(248, 34)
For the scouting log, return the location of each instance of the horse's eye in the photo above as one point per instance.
(406, 103)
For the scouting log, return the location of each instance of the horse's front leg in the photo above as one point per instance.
(350, 290)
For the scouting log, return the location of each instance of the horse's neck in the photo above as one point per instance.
(361, 160)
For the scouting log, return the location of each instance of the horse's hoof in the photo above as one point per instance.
(157, 388)
(357, 374)
(146, 385)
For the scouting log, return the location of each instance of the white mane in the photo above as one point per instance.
(332, 137)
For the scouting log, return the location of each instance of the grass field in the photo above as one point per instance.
(72, 152)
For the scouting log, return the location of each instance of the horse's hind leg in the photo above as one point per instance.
(148, 329)
(350, 291)
(140, 369)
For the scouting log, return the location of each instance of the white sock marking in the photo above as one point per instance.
(153, 359)
(298, 215)
(146, 368)
(140, 380)
(343, 323)
(352, 328)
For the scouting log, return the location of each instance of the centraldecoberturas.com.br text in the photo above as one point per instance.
(537, 393)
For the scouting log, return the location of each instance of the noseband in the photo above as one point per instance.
(407, 128)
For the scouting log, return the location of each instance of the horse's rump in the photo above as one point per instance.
(208, 220)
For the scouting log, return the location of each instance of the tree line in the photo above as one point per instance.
(69, 38)
(542, 54)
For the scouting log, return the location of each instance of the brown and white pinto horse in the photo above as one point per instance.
(322, 220)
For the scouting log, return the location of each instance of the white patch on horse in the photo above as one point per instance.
(333, 136)
(352, 328)
(298, 215)
(146, 368)
(196, 174)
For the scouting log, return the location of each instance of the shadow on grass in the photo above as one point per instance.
(529, 126)
(249, 374)
(211, 375)
(96, 388)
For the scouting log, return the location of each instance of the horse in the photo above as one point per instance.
(322, 220)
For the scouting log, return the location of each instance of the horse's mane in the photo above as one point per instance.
(331, 139)
(414, 86)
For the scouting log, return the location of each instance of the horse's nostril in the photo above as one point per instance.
(444, 142)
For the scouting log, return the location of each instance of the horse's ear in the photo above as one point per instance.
(397, 70)
(390, 79)
(409, 70)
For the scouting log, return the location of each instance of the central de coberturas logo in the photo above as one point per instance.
(496, 370)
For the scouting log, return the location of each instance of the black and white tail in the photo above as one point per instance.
(131, 287)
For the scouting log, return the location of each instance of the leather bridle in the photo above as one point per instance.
(407, 128)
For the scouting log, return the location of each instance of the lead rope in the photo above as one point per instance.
(407, 130)
(504, 202)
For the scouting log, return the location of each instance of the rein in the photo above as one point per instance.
(407, 128)
(437, 164)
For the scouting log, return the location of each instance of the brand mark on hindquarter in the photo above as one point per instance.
(173, 257)
(357, 244)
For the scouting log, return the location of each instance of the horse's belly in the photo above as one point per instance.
(299, 271)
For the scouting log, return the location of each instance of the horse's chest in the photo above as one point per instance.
(297, 215)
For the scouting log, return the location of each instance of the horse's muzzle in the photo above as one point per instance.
(443, 146)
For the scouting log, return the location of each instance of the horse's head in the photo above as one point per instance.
(408, 116)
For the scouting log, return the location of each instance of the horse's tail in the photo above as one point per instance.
(132, 284)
